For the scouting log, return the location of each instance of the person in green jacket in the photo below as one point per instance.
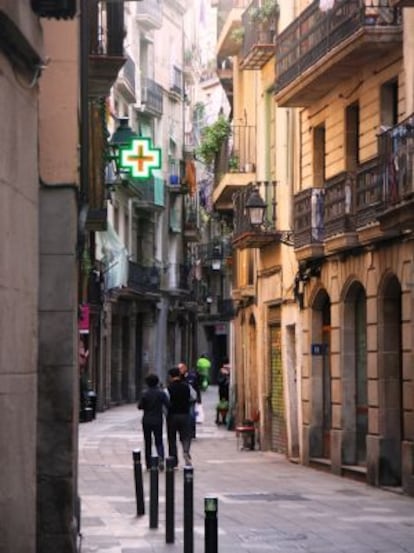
(203, 368)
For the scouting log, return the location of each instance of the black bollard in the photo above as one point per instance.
(210, 525)
(139, 489)
(169, 500)
(188, 510)
(153, 519)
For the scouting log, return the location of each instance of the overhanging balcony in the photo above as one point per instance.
(230, 20)
(150, 193)
(142, 279)
(149, 14)
(106, 55)
(396, 147)
(249, 235)
(235, 165)
(339, 213)
(151, 97)
(126, 79)
(258, 45)
(320, 49)
(309, 230)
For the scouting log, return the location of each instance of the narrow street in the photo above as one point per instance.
(265, 503)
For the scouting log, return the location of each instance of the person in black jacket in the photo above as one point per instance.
(181, 396)
(153, 402)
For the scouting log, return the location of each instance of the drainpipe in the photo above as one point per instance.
(84, 107)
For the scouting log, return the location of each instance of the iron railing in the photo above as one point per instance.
(238, 152)
(309, 217)
(396, 147)
(106, 30)
(256, 33)
(314, 33)
(339, 204)
(369, 193)
(142, 278)
(151, 96)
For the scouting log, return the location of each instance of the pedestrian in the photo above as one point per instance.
(203, 368)
(153, 402)
(223, 381)
(180, 395)
(193, 379)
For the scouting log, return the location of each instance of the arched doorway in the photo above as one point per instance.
(354, 377)
(390, 382)
(321, 391)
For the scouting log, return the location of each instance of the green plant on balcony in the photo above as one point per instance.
(212, 139)
(237, 35)
(265, 13)
(234, 163)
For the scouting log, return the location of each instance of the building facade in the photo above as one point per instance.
(324, 337)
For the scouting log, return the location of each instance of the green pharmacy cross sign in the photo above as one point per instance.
(139, 158)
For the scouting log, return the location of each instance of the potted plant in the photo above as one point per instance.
(234, 163)
(266, 12)
(212, 139)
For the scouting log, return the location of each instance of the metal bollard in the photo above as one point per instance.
(188, 510)
(139, 489)
(153, 518)
(169, 500)
(210, 525)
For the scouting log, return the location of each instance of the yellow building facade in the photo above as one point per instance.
(324, 331)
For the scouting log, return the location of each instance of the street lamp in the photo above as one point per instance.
(255, 207)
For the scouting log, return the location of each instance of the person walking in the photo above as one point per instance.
(223, 381)
(192, 378)
(203, 367)
(153, 402)
(180, 396)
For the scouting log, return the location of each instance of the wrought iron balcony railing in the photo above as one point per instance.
(218, 249)
(143, 279)
(249, 235)
(339, 204)
(314, 33)
(176, 84)
(238, 153)
(225, 307)
(150, 193)
(369, 193)
(309, 217)
(258, 39)
(106, 53)
(396, 147)
(151, 97)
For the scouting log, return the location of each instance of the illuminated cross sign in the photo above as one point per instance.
(139, 158)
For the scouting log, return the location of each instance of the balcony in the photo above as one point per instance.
(106, 54)
(229, 19)
(225, 75)
(191, 231)
(369, 201)
(396, 147)
(339, 213)
(179, 277)
(142, 279)
(235, 165)
(309, 230)
(247, 235)
(226, 308)
(149, 192)
(176, 83)
(126, 79)
(213, 254)
(151, 97)
(258, 45)
(319, 49)
(149, 14)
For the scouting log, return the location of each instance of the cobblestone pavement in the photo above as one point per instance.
(265, 502)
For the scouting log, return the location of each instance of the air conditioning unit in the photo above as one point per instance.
(56, 9)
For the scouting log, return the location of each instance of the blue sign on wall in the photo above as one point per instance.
(319, 349)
